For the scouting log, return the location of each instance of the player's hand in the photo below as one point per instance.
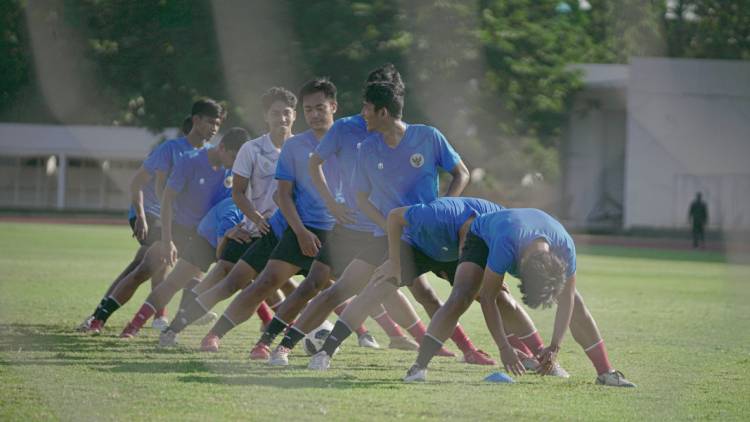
(169, 252)
(309, 244)
(238, 234)
(547, 359)
(511, 361)
(342, 213)
(388, 272)
(261, 223)
(141, 229)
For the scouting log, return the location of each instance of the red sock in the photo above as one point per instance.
(161, 313)
(417, 331)
(147, 311)
(264, 313)
(518, 344)
(388, 325)
(597, 353)
(462, 340)
(534, 342)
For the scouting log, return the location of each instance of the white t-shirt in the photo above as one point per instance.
(256, 161)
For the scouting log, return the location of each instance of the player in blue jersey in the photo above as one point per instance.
(199, 180)
(535, 248)
(146, 188)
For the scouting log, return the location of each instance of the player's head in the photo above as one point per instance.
(279, 106)
(318, 97)
(383, 102)
(386, 73)
(230, 144)
(187, 125)
(206, 116)
(542, 276)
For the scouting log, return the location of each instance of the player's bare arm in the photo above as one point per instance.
(342, 213)
(308, 241)
(564, 313)
(240, 184)
(169, 250)
(460, 179)
(390, 270)
(136, 197)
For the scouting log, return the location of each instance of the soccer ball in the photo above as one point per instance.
(314, 339)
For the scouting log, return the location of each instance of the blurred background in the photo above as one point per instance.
(609, 114)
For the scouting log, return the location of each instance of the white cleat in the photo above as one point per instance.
(167, 338)
(160, 323)
(416, 374)
(320, 361)
(279, 356)
(208, 318)
(85, 325)
(614, 379)
(532, 365)
(367, 340)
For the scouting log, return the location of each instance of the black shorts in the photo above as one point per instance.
(182, 237)
(341, 246)
(288, 248)
(154, 229)
(199, 253)
(474, 250)
(376, 252)
(415, 263)
(258, 253)
(233, 249)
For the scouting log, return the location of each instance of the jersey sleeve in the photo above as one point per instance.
(418, 215)
(500, 257)
(160, 159)
(361, 179)
(180, 174)
(245, 161)
(230, 218)
(447, 157)
(330, 144)
(285, 165)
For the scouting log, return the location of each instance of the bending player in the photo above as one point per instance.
(535, 248)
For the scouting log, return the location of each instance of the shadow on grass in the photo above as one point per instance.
(285, 382)
(52, 338)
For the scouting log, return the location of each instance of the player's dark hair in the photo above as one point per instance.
(315, 85)
(542, 277)
(387, 73)
(187, 125)
(234, 138)
(207, 107)
(385, 95)
(278, 93)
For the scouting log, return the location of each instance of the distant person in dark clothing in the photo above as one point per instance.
(698, 216)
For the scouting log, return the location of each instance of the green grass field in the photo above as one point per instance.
(676, 323)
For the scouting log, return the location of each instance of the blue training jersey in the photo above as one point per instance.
(508, 232)
(293, 166)
(433, 228)
(278, 224)
(199, 187)
(404, 175)
(341, 141)
(222, 217)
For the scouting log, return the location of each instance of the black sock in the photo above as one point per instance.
(339, 333)
(100, 305)
(107, 309)
(222, 326)
(188, 296)
(292, 337)
(429, 348)
(187, 315)
(275, 327)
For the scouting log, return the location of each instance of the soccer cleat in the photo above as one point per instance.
(443, 352)
(210, 343)
(167, 338)
(614, 379)
(95, 327)
(129, 331)
(532, 365)
(403, 343)
(84, 326)
(260, 352)
(320, 361)
(208, 318)
(367, 340)
(279, 356)
(416, 374)
(160, 323)
(478, 357)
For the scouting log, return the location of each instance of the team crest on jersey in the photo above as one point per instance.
(228, 182)
(380, 166)
(417, 160)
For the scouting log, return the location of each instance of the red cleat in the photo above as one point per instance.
(260, 352)
(95, 327)
(129, 331)
(210, 343)
(443, 352)
(478, 357)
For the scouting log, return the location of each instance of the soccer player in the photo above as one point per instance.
(146, 189)
(532, 246)
(199, 181)
(397, 165)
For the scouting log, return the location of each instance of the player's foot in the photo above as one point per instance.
(210, 343)
(532, 365)
(208, 318)
(260, 352)
(443, 352)
(416, 374)
(320, 361)
(614, 379)
(403, 343)
(129, 331)
(478, 357)
(95, 327)
(167, 338)
(160, 323)
(367, 340)
(83, 327)
(279, 356)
